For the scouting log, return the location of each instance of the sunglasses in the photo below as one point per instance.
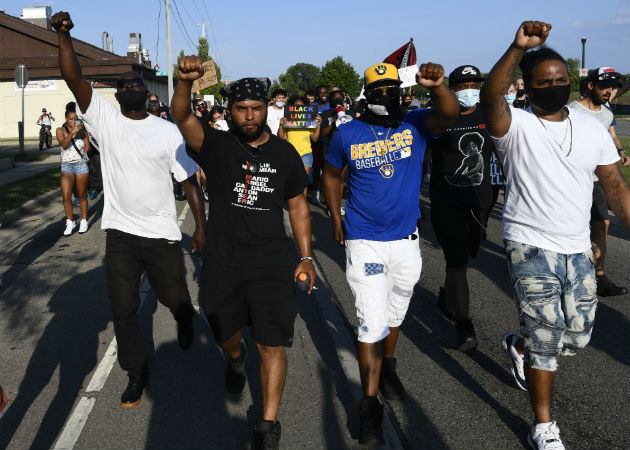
(254, 166)
(377, 93)
(135, 82)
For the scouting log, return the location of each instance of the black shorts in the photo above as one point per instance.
(458, 229)
(262, 298)
(599, 209)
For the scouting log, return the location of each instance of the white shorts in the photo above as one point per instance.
(382, 276)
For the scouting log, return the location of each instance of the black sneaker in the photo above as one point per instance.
(133, 394)
(606, 288)
(443, 308)
(390, 384)
(267, 435)
(371, 413)
(185, 333)
(465, 335)
(235, 374)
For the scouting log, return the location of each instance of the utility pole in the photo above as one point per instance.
(169, 51)
(203, 27)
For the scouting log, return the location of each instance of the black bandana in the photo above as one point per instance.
(247, 89)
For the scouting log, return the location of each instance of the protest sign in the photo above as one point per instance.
(301, 116)
(208, 79)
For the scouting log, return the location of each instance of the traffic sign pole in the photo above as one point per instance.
(21, 79)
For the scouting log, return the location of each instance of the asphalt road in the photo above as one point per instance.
(56, 339)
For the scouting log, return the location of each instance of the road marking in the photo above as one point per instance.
(105, 366)
(74, 425)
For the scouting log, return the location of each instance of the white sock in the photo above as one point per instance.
(541, 426)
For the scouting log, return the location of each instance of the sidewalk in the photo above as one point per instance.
(26, 169)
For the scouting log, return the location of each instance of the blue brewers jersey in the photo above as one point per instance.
(384, 173)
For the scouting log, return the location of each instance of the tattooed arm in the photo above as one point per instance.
(617, 192)
(495, 108)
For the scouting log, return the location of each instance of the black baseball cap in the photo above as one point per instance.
(604, 76)
(464, 74)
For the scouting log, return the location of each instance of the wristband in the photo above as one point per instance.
(306, 258)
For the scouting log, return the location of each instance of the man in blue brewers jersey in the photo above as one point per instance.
(383, 150)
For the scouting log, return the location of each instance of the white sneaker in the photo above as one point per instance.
(516, 359)
(83, 226)
(70, 226)
(545, 437)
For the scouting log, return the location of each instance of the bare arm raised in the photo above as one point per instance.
(445, 105)
(495, 108)
(190, 68)
(68, 62)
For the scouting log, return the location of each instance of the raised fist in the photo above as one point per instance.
(190, 68)
(62, 22)
(531, 34)
(430, 75)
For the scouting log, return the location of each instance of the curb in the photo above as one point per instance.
(28, 207)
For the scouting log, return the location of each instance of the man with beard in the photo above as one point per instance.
(384, 150)
(549, 154)
(247, 277)
(138, 154)
(460, 194)
(599, 87)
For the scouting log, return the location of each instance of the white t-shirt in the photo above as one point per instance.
(137, 158)
(549, 192)
(273, 118)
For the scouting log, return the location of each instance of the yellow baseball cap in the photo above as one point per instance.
(381, 72)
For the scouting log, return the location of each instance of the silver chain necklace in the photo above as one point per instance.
(561, 145)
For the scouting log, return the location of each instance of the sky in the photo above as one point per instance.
(261, 38)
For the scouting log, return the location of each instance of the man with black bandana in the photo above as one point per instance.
(138, 154)
(383, 150)
(549, 155)
(247, 277)
(460, 193)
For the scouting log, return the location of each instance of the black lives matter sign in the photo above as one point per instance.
(301, 116)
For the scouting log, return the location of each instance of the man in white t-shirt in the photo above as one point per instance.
(549, 156)
(138, 154)
(599, 89)
(275, 112)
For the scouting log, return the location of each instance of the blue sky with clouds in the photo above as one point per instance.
(256, 38)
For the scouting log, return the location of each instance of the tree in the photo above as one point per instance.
(337, 72)
(176, 66)
(203, 50)
(574, 73)
(299, 78)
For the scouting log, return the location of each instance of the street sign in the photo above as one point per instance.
(21, 75)
(161, 74)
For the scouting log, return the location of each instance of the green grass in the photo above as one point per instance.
(17, 193)
(26, 157)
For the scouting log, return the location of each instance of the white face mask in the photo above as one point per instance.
(280, 104)
(468, 97)
(378, 109)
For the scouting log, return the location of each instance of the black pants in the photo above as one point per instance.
(126, 257)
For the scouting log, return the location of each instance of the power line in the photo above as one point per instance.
(205, 9)
(197, 8)
(187, 13)
(183, 28)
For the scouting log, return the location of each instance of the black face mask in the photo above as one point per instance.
(550, 99)
(406, 104)
(336, 102)
(132, 100)
(520, 93)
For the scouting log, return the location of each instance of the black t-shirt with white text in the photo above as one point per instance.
(461, 161)
(245, 221)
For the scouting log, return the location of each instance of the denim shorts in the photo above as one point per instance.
(557, 298)
(307, 159)
(77, 168)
